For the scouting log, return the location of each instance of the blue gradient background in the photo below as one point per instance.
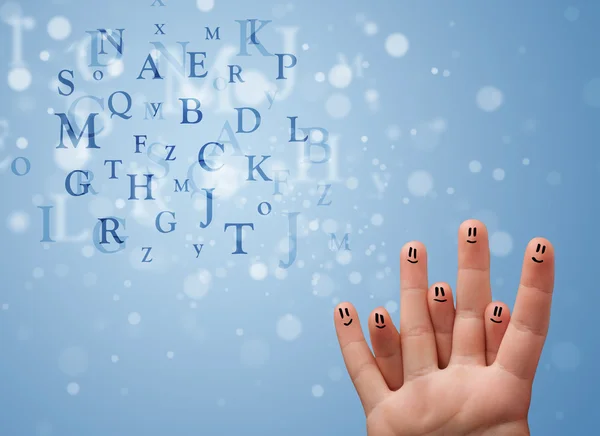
(66, 309)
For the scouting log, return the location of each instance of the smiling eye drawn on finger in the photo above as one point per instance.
(541, 249)
(439, 292)
(472, 234)
(347, 315)
(412, 252)
(379, 320)
(497, 313)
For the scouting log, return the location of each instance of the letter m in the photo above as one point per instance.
(212, 35)
(65, 126)
(185, 187)
(334, 246)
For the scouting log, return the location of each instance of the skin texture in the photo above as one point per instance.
(464, 370)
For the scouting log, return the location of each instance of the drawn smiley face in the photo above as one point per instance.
(497, 314)
(412, 255)
(347, 316)
(471, 235)
(541, 249)
(379, 321)
(439, 292)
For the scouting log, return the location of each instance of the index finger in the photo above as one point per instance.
(524, 339)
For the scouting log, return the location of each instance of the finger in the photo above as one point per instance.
(419, 355)
(524, 339)
(386, 346)
(361, 365)
(473, 293)
(497, 317)
(441, 310)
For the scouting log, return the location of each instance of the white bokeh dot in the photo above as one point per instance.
(377, 219)
(281, 273)
(370, 28)
(22, 143)
(37, 200)
(205, 5)
(352, 183)
(498, 174)
(87, 251)
(571, 13)
(340, 76)
(19, 79)
(391, 306)
(134, 318)
(59, 28)
(197, 285)
(73, 388)
(320, 77)
(338, 106)
(554, 178)
(258, 271)
(116, 68)
(329, 226)
(318, 391)
(420, 183)
(371, 96)
(355, 277)
(343, 257)
(18, 222)
(38, 273)
(396, 45)
(44, 55)
(475, 166)
(501, 244)
(322, 285)
(289, 327)
(489, 98)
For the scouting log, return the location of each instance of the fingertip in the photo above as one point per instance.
(472, 228)
(538, 264)
(440, 292)
(497, 313)
(380, 318)
(540, 248)
(343, 312)
(413, 251)
(473, 245)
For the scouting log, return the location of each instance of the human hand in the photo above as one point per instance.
(467, 371)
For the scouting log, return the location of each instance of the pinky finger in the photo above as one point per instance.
(497, 317)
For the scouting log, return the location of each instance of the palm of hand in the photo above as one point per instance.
(463, 371)
(456, 401)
